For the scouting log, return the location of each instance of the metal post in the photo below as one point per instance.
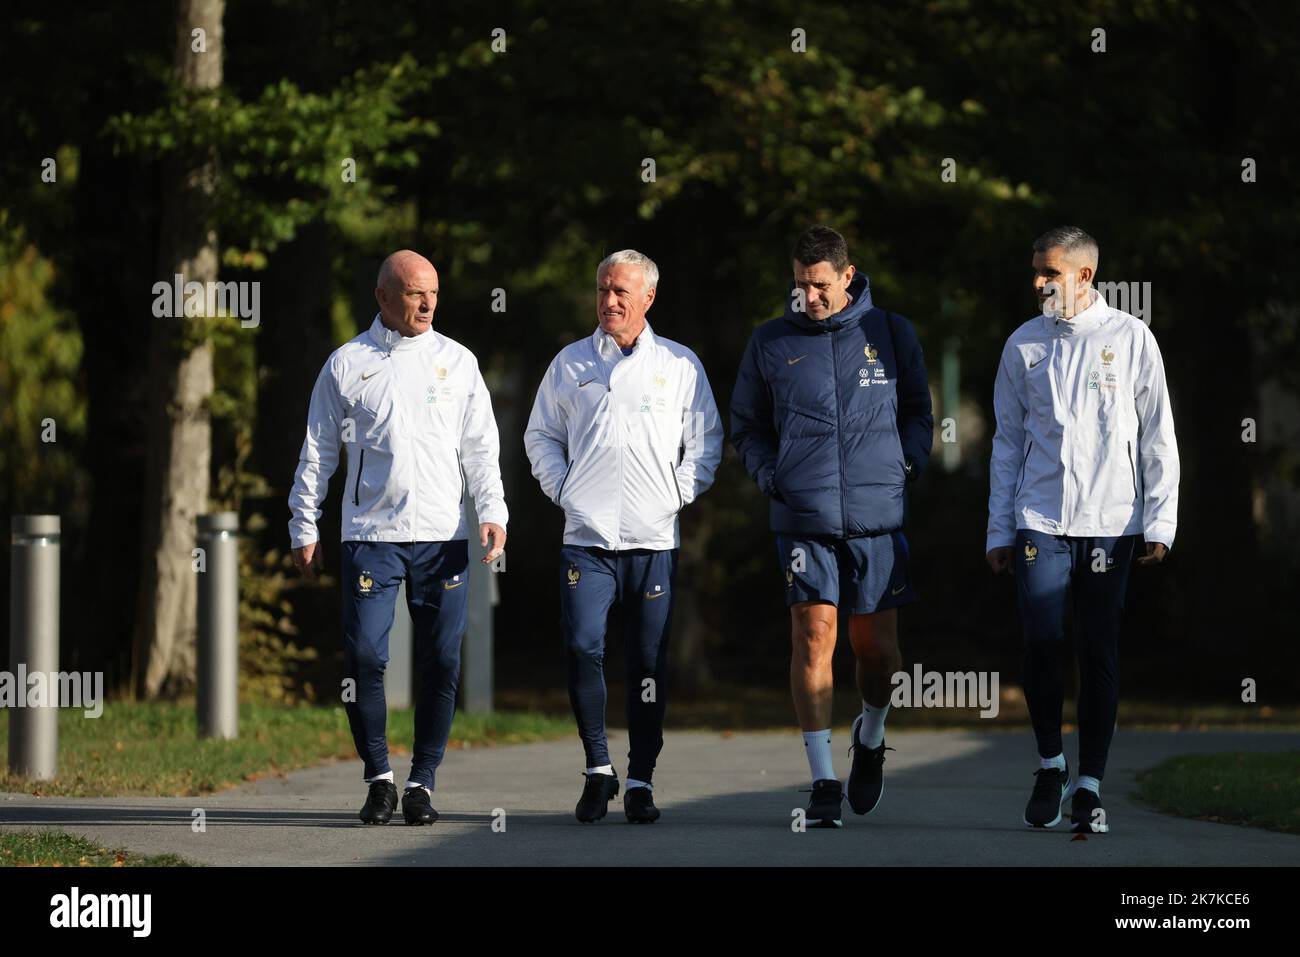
(400, 673)
(476, 655)
(34, 644)
(218, 625)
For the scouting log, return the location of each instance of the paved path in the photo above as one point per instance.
(950, 799)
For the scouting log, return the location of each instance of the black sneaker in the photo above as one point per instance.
(1044, 807)
(594, 803)
(639, 806)
(1087, 816)
(416, 806)
(824, 805)
(866, 779)
(380, 804)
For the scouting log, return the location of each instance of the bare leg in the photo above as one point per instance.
(875, 645)
(812, 682)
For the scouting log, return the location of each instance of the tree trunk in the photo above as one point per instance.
(180, 382)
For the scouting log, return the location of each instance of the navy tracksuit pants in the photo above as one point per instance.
(1054, 572)
(641, 582)
(437, 590)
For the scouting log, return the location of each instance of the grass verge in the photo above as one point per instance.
(153, 748)
(1256, 789)
(57, 849)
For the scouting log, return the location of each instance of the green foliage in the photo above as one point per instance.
(40, 354)
(268, 657)
(282, 156)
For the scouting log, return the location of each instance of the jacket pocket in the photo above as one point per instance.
(1024, 468)
(1132, 467)
(672, 477)
(361, 467)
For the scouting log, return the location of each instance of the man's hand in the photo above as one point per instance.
(999, 559)
(497, 536)
(309, 560)
(1156, 553)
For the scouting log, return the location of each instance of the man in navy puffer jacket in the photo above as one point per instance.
(831, 416)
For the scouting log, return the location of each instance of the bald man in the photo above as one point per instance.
(410, 406)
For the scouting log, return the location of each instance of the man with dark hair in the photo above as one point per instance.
(1084, 462)
(831, 417)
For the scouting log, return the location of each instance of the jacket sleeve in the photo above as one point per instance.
(701, 437)
(480, 454)
(752, 430)
(915, 416)
(1008, 450)
(317, 460)
(546, 440)
(1157, 446)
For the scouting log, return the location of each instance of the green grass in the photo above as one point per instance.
(1256, 789)
(153, 748)
(57, 849)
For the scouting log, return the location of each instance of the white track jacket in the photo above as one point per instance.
(623, 443)
(1085, 434)
(412, 412)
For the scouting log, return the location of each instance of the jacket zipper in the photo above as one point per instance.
(839, 445)
(560, 492)
(401, 411)
(460, 473)
(1132, 468)
(1024, 467)
(356, 491)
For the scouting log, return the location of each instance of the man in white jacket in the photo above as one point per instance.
(1084, 468)
(623, 435)
(410, 406)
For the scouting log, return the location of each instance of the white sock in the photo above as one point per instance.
(417, 784)
(871, 733)
(386, 776)
(1089, 782)
(1057, 762)
(634, 783)
(603, 769)
(818, 746)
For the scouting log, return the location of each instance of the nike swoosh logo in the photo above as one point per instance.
(367, 375)
(588, 382)
(895, 591)
(448, 586)
(791, 362)
(659, 594)
(1034, 365)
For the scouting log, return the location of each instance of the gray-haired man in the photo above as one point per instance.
(624, 433)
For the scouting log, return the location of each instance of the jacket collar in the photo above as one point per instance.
(390, 340)
(846, 318)
(1083, 322)
(608, 349)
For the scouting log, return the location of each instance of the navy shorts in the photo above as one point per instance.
(857, 575)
